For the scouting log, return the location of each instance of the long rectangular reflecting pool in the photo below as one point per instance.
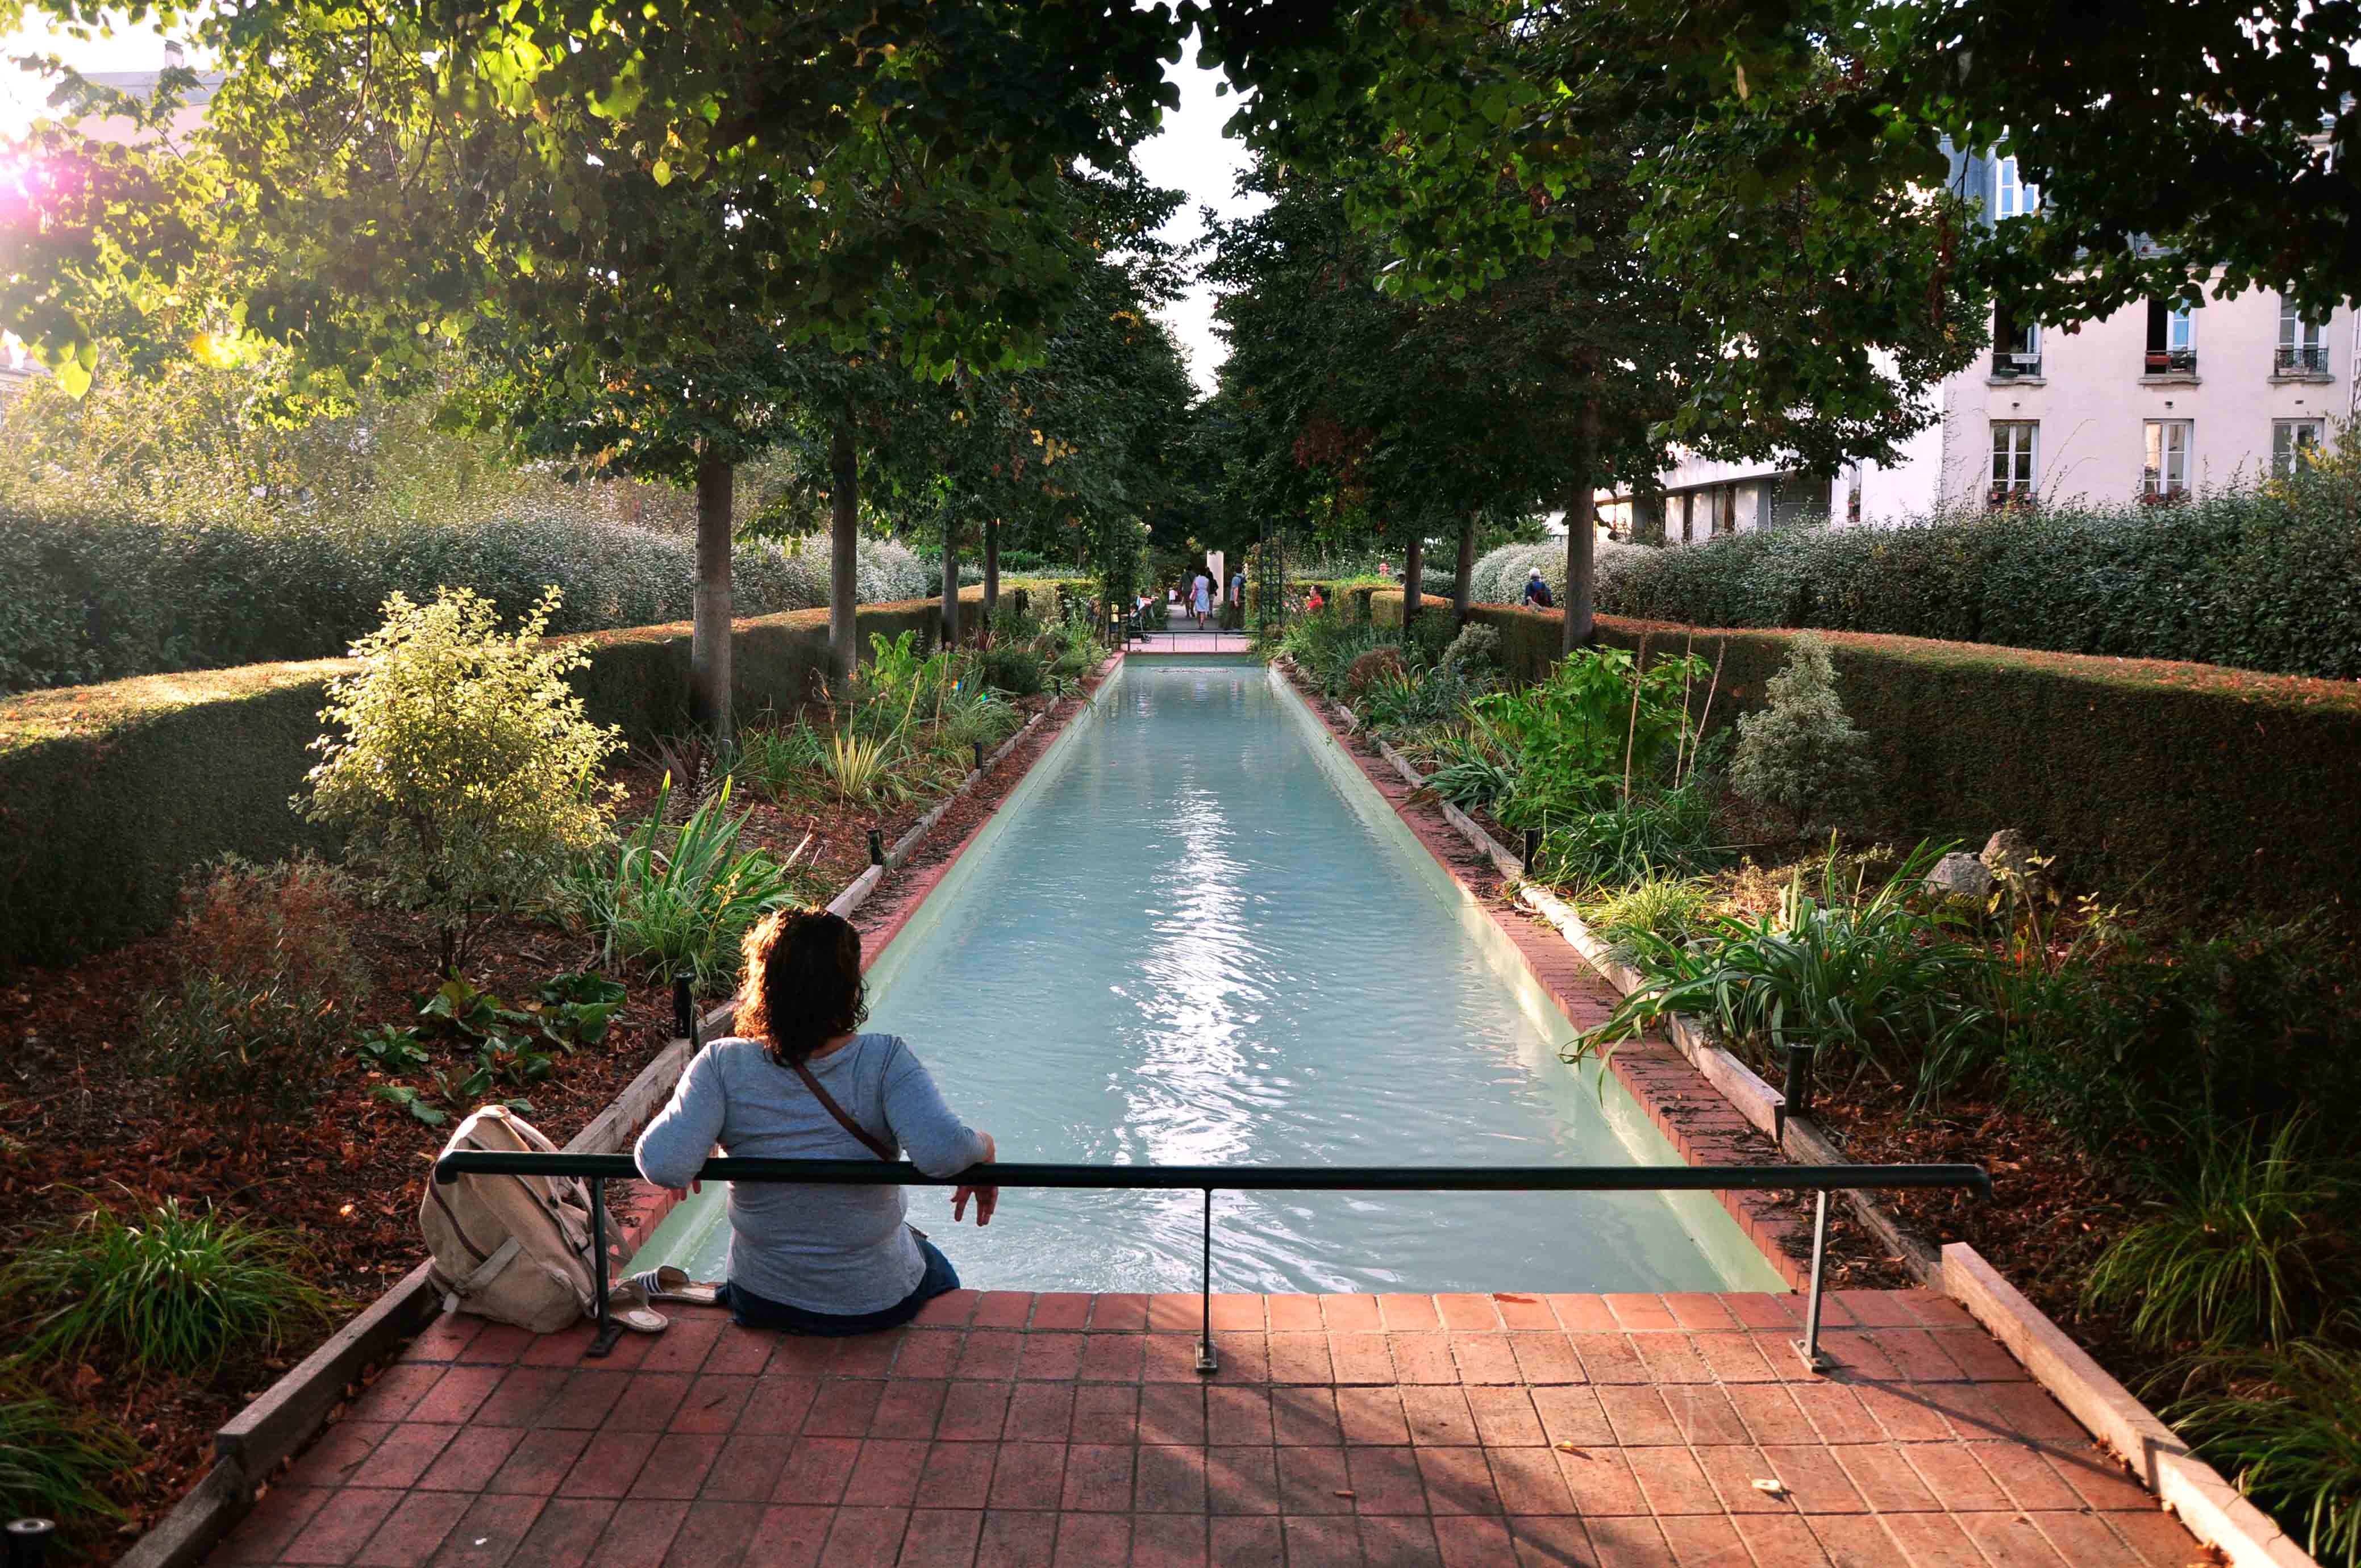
(1196, 932)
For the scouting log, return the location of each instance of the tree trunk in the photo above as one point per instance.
(1463, 581)
(1581, 531)
(844, 552)
(990, 568)
(950, 578)
(708, 649)
(1413, 576)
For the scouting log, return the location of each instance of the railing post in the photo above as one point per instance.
(603, 1341)
(1809, 1347)
(1207, 1362)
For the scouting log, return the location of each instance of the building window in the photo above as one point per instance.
(2166, 476)
(2012, 197)
(2293, 443)
(2016, 344)
(2303, 345)
(2172, 339)
(2014, 460)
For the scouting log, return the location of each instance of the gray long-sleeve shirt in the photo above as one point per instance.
(826, 1249)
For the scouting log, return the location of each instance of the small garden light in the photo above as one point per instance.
(684, 1011)
(1533, 848)
(28, 1542)
(876, 848)
(1796, 1094)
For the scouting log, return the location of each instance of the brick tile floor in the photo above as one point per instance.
(1006, 1428)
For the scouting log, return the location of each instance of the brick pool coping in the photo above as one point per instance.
(1013, 1428)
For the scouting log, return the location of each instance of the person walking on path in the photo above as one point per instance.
(1200, 600)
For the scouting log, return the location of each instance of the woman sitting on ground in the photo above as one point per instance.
(798, 1082)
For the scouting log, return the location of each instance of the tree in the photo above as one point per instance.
(679, 194)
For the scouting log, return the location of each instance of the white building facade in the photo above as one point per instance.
(2151, 403)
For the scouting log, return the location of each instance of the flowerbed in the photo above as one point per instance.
(2155, 1089)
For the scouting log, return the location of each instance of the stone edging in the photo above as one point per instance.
(288, 1413)
(2207, 1504)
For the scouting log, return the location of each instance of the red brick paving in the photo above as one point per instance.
(1009, 1428)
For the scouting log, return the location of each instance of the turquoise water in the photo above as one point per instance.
(1196, 934)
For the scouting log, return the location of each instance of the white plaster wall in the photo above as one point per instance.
(2094, 402)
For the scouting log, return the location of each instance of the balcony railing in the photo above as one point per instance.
(2008, 365)
(2308, 360)
(1819, 1179)
(2172, 362)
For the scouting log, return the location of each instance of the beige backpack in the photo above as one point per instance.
(515, 1249)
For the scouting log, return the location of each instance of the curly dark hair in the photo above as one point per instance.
(803, 984)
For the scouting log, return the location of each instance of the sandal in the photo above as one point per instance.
(628, 1305)
(666, 1283)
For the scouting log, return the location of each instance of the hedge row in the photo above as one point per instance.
(2191, 785)
(100, 596)
(2267, 578)
(110, 794)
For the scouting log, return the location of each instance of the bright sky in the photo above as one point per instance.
(1189, 153)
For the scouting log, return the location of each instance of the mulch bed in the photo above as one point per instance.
(77, 1128)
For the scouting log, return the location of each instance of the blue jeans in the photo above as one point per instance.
(752, 1312)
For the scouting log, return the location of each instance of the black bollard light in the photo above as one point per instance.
(28, 1542)
(977, 746)
(1796, 1094)
(684, 1011)
(876, 848)
(1533, 848)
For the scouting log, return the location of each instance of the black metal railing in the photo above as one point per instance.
(2307, 360)
(2170, 362)
(2010, 365)
(1819, 1179)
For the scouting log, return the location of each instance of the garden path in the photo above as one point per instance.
(1022, 1429)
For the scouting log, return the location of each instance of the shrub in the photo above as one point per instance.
(2248, 1024)
(277, 927)
(54, 1461)
(466, 775)
(967, 722)
(1476, 650)
(1430, 633)
(162, 1291)
(678, 903)
(2293, 1443)
(2249, 1251)
(1598, 722)
(259, 1050)
(1013, 669)
(1800, 754)
(1366, 670)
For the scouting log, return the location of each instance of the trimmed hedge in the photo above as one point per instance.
(100, 596)
(110, 794)
(2193, 784)
(2267, 578)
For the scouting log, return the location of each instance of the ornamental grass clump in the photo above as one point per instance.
(1875, 981)
(677, 902)
(2287, 1430)
(161, 1290)
(55, 1461)
(2249, 1249)
(462, 769)
(1802, 755)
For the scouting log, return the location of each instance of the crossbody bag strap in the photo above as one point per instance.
(869, 1140)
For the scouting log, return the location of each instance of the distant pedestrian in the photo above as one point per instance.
(1200, 595)
(1537, 592)
(1315, 603)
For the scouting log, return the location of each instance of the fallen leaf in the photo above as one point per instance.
(1342, 1493)
(1777, 1488)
